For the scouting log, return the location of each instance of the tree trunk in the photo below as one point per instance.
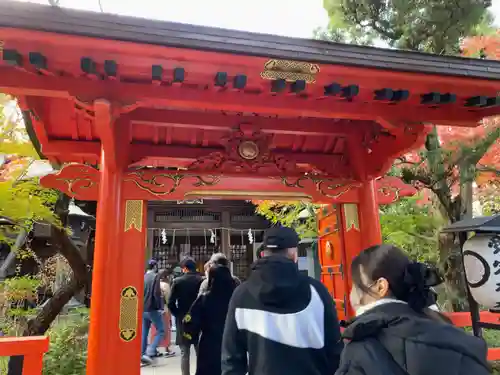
(452, 265)
(53, 307)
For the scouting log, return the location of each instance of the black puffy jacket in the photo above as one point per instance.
(392, 339)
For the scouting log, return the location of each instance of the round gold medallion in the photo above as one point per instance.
(248, 150)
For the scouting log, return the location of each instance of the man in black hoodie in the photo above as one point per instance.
(280, 321)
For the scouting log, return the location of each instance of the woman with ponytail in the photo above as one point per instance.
(395, 332)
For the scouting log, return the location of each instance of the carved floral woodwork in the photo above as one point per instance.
(76, 180)
(82, 182)
(249, 151)
(331, 188)
(246, 150)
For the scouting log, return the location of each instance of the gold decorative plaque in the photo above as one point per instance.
(133, 215)
(129, 311)
(351, 216)
(290, 71)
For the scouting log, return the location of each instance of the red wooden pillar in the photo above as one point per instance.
(117, 281)
(103, 310)
(114, 345)
(369, 215)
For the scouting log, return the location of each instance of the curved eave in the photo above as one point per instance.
(14, 14)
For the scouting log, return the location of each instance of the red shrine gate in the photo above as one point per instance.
(148, 110)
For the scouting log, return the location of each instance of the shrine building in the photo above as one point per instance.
(139, 111)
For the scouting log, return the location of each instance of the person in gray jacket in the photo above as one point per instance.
(217, 259)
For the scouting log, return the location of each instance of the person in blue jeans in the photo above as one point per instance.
(154, 305)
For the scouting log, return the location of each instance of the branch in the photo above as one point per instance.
(70, 251)
(52, 308)
(402, 160)
(481, 148)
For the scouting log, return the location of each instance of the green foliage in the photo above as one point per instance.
(23, 200)
(406, 224)
(13, 137)
(67, 353)
(421, 25)
(14, 293)
(26, 201)
(298, 215)
(491, 203)
(413, 228)
(339, 35)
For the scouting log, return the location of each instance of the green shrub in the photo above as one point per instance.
(4, 361)
(67, 353)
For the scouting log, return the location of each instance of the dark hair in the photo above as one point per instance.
(163, 274)
(409, 281)
(152, 264)
(189, 264)
(220, 280)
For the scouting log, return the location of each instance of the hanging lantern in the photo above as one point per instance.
(482, 269)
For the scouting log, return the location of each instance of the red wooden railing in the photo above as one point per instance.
(32, 348)
(463, 319)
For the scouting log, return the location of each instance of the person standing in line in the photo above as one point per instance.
(182, 296)
(167, 317)
(396, 330)
(281, 321)
(207, 317)
(154, 304)
(217, 259)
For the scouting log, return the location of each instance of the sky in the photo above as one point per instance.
(295, 18)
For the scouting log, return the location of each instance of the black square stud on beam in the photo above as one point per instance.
(38, 60)
(430, 98)
(350, 91)
(476, 101)
(156, 73)
(220, 79)
(448, 98)
(390, 95)
(239, 81)
(493, 101)
(400, 95)
(298, 86)
(332, 89)
(87, 65)
(111, 68)
(385, 94)
(278, 85)
(178, 75)
(12, 57)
